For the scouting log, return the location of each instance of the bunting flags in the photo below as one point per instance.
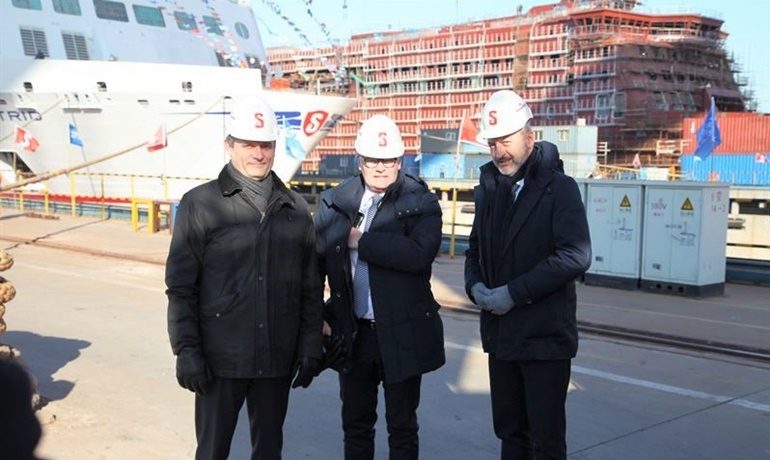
(760, 158)
(75, 136)
(708, 136)
(25, 140)
(159, 140)
(468, 132)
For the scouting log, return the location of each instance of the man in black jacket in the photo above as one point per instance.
(245, 302)
(528, 244)
(377, 236)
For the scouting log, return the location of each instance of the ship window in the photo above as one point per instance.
(213, 25)
(75, 46)
(563, 135)
(67, 7)
(242, 30)
(538, 134)
(660, 100)
(113, 11)
(227, 60)
(149, 16)
(603, 106)
(34, 42)
(619, 111)
(185, 21)
(28, 4)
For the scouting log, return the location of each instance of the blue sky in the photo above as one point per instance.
(747, 22)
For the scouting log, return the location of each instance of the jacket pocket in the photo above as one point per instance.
(218, 307)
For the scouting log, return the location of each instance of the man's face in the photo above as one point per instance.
(251, 158)
(379, 174)
(510, 152)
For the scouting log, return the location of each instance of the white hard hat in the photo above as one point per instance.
(379, 137)
(504, 114)
(252, 119)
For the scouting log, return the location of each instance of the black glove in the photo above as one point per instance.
(307, 368)
(334, 351)
(192, 372)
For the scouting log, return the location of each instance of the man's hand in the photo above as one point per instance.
(334, 351)
(479, 293)
(192, 372)
(498, 300)
(307, 368)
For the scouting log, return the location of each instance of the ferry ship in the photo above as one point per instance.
(86, 86)
(634, 75)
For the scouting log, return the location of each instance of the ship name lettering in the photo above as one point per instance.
(20, 115)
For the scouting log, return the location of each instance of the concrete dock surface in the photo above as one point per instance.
(89, 319)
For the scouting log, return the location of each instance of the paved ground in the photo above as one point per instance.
(92, 330)
(90, 322)
(740, 317)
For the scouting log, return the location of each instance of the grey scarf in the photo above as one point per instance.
(256, 192)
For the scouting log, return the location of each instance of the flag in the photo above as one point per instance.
(637, 161)
(158, 140)
(759, 158)
(75, 136)
(468, 132)
(25, 140)
(708, 136)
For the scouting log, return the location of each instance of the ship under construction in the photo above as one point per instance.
(634, 75)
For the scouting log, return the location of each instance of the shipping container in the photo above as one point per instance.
(741, 132)
(737, 169)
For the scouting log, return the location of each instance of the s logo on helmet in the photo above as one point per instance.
(314, 121)
(383, 140)
(492, 117)
(259, 120)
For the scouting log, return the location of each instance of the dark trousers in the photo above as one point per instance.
(358, 391)
(528, 412)
(216, 415)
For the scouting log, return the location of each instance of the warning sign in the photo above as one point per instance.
(687, 205)
(625, 202)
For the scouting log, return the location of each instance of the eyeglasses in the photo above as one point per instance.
(372, 162)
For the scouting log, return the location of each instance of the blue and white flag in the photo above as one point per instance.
(75, 136)
(708, 136)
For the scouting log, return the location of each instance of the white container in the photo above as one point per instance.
(685, 237)
(614, 211)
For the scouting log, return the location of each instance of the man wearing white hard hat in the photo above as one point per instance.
(245, 301)
(528, 244)
(378, 233)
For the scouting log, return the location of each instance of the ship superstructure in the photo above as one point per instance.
(118, 73)
(634, 75)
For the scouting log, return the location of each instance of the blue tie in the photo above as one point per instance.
(361, 277)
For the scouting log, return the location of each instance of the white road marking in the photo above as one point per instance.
(644, 383)
(75, 274)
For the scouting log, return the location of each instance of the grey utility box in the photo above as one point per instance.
(685, 237)
(614, 211)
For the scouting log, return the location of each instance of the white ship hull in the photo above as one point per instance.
(117, 71)
(111, 122)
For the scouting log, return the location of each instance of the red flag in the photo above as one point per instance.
(25, 140)
(468, 131)
(759, 158)
(158, 140)
(637, 161)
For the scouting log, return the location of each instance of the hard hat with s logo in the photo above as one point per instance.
(379, 137)
(504, 114)
(252, 119)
